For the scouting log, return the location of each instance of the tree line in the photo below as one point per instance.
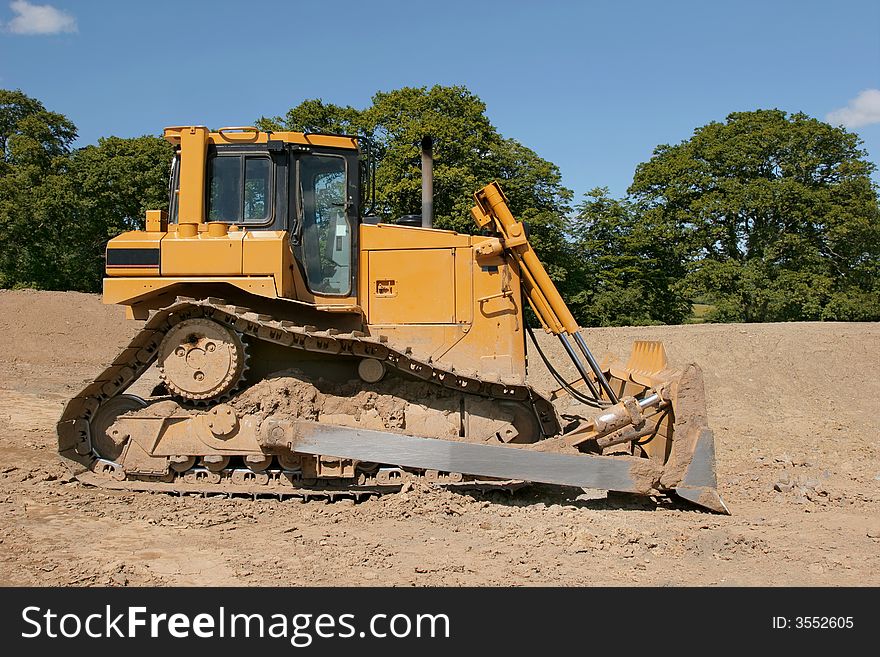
(766, 216)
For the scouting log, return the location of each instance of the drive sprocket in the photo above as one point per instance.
(201, 360)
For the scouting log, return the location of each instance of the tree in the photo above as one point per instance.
(774, 216)
(35, 144)
(627, 276)
(114, 183)
(29, 134)
(59, 207)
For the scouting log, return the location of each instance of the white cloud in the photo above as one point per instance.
(862, 110)
(39, 19)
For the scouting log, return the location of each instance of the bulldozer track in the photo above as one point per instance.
(74, 427)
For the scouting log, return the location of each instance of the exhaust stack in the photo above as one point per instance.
(427, 182)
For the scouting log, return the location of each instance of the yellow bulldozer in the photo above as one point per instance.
(303, 348)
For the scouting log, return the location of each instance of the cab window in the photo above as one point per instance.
(240, 189)
(174, 189)
(326, 233)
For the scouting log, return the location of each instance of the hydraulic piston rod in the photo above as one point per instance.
(595, 367)
(563, 338)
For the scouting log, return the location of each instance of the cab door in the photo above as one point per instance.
(324, 225)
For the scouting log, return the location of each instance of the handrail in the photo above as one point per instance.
(239, 130)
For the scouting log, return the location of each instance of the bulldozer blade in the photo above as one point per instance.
(699, 484)
(625, 474)
(689, 470)
(615, 473)
(688, 451)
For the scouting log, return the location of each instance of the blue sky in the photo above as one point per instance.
(590, 86)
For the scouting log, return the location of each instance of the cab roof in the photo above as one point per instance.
(251, 135)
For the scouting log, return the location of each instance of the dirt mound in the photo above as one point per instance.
(390, 405)
(793, 407)
(290, 393)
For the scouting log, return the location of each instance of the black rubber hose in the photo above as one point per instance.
(576, 394)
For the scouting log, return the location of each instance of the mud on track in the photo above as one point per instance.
(794, 407)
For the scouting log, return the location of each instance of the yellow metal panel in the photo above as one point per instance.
(268, 252)
(462, 347)
(202, 255)
(494, 344)
(386, 236)
(363, 270)
(412, 287)
(193, 154)
(136, 239)
(500, 365)
(134, 290)
(425, 340)
(157, 221)
(263, 252)
(112, 270)
(464, 285)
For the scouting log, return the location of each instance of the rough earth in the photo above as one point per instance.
(794, 407)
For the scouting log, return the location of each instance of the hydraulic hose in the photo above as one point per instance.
(592, 401)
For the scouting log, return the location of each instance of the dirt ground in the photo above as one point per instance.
(794, 407)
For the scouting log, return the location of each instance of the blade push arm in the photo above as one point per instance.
(492, 213)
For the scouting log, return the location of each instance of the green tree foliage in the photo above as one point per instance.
(628, 276)
(468, 153)
(58, 207)
(35, 147)
(114, 183)
(29, 134)
(774, 216)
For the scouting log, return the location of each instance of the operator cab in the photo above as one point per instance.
(305, 184)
